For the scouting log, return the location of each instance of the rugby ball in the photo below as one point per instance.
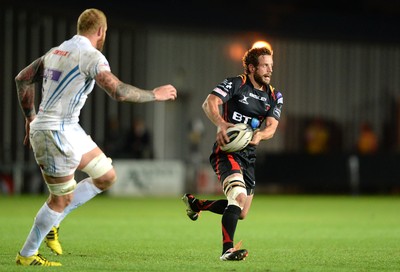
(239, 137)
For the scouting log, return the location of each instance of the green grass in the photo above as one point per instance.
(282, 233)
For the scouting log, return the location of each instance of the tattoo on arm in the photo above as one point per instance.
(126, 92)
(121, 91)
(26, 96)
(25, 83)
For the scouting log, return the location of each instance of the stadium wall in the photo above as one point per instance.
(347, 82)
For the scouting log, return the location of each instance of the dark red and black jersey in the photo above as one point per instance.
(242, 101)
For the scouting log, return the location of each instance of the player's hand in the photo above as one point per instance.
(28, 121)
(257, 137)
(165, 92)
(222, 137)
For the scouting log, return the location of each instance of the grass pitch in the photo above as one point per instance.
(282, 233)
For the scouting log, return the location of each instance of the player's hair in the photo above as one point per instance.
(90, 20)
(251, 57)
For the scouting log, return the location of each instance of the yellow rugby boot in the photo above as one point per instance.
(36, 259)
(52, 241)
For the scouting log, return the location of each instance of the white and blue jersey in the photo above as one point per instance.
(68, 78)
(57, 139)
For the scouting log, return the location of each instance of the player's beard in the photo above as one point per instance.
(100, 43)
(261, 80)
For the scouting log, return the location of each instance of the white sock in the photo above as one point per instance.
(84, 191)
(44, 221)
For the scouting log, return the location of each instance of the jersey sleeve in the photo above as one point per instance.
(276, 107)
(94, 63)
(226, 89)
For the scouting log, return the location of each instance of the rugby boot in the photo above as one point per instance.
(52, 241)
(36, 259)
(189, 199)
(234, 255)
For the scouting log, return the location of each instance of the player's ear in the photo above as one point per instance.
(251, 68)
(100, 31)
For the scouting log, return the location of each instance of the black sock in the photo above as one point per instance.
(229, 222)
(215, 206)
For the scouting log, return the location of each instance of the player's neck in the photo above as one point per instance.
(256, 85)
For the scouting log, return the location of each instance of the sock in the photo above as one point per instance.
(84, 191)
(229, 223)
(44, 221)
(215, 206)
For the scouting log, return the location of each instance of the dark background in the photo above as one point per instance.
(359, 20)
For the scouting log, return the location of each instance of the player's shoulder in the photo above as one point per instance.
(89, 54)
(238, 80)
(82, 45)
(272, 89)
(233, 83)
(276, 94)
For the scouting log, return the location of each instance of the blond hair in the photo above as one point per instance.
(90, 21)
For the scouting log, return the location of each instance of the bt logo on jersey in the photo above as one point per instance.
(240, 117)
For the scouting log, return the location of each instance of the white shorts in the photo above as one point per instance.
(58, 153)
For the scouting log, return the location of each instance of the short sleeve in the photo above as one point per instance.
(226, 89)
(94, 63)
(276, 109)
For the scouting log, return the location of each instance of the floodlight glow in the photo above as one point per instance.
(259, 44)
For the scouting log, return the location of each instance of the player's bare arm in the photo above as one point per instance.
(271, 124)
(211, 107)
(25, 82)
(123, 92)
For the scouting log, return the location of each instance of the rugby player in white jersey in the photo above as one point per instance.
(68, 73)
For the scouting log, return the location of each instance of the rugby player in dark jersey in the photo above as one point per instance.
(239, 99)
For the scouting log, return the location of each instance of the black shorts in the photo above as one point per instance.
(243, 162)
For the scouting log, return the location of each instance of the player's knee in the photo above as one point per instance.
(237, 196)
(106, 181)
(59, 203)
(62, 189)
(241, 197)
(235, 190)
(102, 172)
(243, 215)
